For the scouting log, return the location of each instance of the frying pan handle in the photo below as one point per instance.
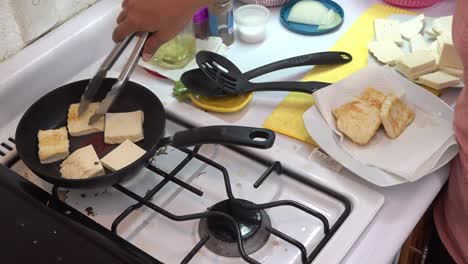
(321, 58)
(226, 135)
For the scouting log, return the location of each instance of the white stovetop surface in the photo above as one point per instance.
(170, 241)
(404, 204)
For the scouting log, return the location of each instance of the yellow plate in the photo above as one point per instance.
(222, 104)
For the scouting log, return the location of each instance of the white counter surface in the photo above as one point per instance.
(404, 205)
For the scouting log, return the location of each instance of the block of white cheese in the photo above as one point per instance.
(417, 61)
(334, 20)
(34, 17)
(11, 40)
(386, 52)
(430, 32)
(416, 64)
(412, 27)
(387, 30)
(122, 156)
(443, 25)
(439, 80)
(435, 50)
(53, 145)
(311, 13)
(418, 42)
(415, 75)
(448, 54)
(452, 71)
(82, 164)
(123, 126)
(78, 125)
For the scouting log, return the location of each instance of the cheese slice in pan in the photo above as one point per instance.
(82, 164)
(122, 156)
(123, 126)
(53, 145)
(78, 125)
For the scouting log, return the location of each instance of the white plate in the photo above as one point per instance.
(326, 138)
(406, 45)
(328, 141)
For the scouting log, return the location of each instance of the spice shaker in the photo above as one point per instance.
(221, 20)
(200, 23)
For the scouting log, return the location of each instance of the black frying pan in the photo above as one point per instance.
(50, 112)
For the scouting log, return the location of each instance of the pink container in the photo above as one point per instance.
(413, 3)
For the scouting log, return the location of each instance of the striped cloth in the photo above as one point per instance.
(265, 2)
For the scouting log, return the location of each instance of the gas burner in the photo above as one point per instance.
(233, 227)
(223, 235)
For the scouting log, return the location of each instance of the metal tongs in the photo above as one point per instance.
(95, 83)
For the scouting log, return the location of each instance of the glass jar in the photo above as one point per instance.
(179, 51)
(221, 20)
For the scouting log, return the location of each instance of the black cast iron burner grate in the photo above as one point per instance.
(204, 216)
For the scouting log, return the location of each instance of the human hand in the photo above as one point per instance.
(164, 18)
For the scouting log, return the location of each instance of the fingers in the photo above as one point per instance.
(124, 3)
(152, 44)
(123, 30)
(121, 16)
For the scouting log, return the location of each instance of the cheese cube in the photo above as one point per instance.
(415, 75)
(78, 125)
(419, 43)
(435, 50)
(448, 54)
(416, 64)
(387, 30)
(82, 164)
(412, 27)
(443, 25)
(123, 126)
(430, 32)
(439, 80)
(53, 145)
(122, 156)
(452, 71)
(385, 51)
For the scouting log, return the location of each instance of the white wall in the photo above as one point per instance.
(11, 40)
(53, 59)
(23, 21)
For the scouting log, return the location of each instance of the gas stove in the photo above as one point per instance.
(212, 204)
(209, 204)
